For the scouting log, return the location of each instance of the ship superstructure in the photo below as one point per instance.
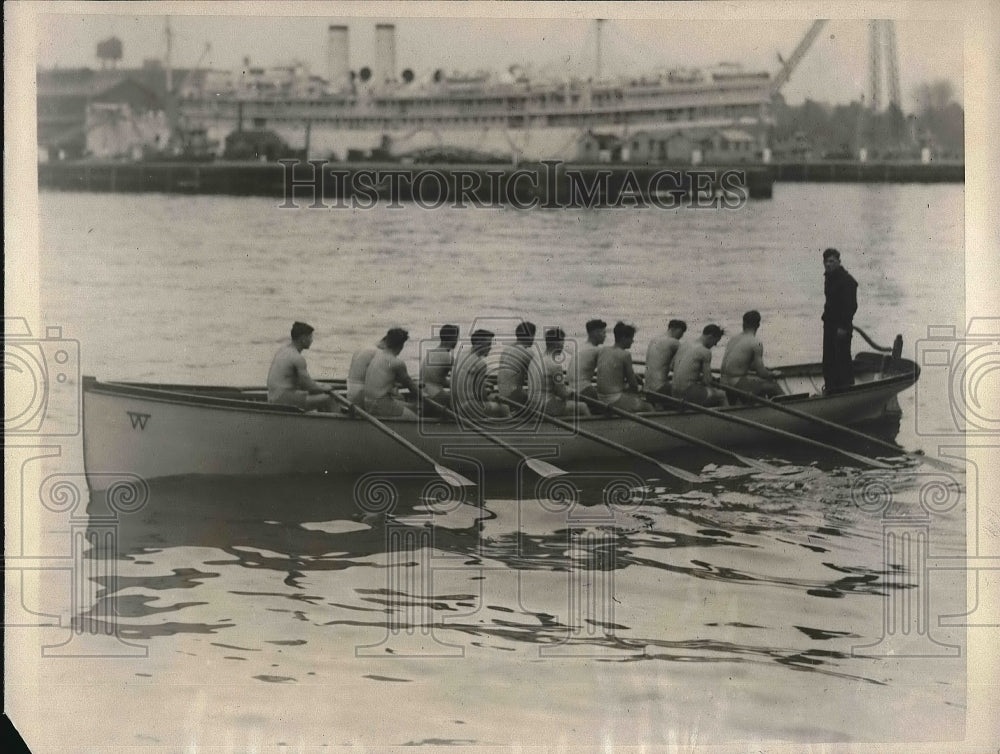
(511, 114)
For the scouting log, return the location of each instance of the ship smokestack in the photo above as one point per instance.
(385, 54)
(338, 70)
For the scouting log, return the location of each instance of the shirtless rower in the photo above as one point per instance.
(288, 380)
(554, 397)
(616, 381)
(693, 370)
(359, 367)
(436, 367)
(745, 354)
(471, 393)
(581, 371)
(515, 361)
(356, 373)
(387, 373)
(660, 358)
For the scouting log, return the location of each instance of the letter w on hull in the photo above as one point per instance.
(138, 420)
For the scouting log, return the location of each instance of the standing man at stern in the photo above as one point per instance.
(838, 323)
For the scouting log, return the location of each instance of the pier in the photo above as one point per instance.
(543, 184)
(850, 171)
(546, 185)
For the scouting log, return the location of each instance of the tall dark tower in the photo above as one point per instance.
(883, 66)
(882, 46)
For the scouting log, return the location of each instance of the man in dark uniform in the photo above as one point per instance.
(838, 323)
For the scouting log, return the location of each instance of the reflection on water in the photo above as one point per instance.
(606, 607)
(783, 570)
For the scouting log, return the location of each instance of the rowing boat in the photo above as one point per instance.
(152, 431)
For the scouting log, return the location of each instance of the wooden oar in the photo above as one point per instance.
(540, 467)
(771, 430)
(335, 381)
(687, 476)
(840, 427)
(759, 465)
(451, 477)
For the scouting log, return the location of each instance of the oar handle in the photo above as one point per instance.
(840, 427)
(569, 427)
(476, 428)
(651, 424)
(684, 436)
(355, 409)
(680, 473)
(816, 419)
(449, 475)
(772, 430)
(542, 468)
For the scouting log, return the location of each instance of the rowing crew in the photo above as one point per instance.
(377, 374)
(673, 369)
(599, 375)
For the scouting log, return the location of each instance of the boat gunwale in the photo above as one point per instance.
(174, 394)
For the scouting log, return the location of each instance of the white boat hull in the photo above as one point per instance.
(152, 432)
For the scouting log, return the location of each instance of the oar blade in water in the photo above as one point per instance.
(873, 462)
(937, 463)
(902, 452)
(683, 474)
(687, 476)
(544, 469)
(453, 477)
(760, 465)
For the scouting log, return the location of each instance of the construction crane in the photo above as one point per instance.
(793, 60)
(197, 67)
(781, 78)
(180, 135)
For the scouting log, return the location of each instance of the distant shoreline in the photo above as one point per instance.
(869, 172)
(272, 178)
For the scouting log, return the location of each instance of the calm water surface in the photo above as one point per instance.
(606, 608)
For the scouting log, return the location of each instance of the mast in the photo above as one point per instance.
(893, 64)
(597, 72)
(875, 64)
(168, 32)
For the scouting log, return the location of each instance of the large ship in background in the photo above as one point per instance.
(380, 111)
(94, 124)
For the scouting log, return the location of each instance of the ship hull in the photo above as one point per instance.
(152, 431)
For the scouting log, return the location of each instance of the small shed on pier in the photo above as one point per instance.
(124, 121)
(661, 146)
(729, 146)
(595, 147)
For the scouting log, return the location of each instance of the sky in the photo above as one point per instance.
(834, 70)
